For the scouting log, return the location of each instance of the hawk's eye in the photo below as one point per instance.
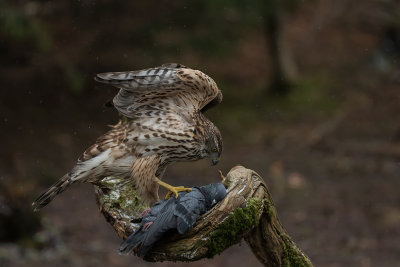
(213, 149)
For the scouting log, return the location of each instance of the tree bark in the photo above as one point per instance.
(247, 212)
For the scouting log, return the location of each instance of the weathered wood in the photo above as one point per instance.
(246, 212)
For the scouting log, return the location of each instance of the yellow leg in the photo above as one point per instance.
(172, 189)
(221, 175)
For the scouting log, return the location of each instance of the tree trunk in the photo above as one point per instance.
(246, 212)
(283, 67)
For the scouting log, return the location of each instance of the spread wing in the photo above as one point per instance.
(170, 86)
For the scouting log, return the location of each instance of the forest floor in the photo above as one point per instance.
(329, 151)
(335, 183)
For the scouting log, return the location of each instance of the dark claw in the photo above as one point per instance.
(145, 212)
(146, 226)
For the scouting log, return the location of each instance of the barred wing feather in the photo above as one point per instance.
(170, 86)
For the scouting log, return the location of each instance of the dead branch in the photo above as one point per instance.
(246, 212)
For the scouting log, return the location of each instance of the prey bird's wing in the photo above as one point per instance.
(170, 86)
(189, 208)
(164, 220)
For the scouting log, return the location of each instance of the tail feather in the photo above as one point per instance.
(52, 192)
(133, 243)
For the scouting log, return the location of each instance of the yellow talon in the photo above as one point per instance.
(173, 189)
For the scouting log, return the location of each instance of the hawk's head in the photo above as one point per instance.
(213, 148)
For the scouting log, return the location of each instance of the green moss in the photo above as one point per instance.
(123, 198)
(292, 256)
(269, 210)
(232, 228)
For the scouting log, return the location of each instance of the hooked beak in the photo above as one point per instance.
(215, 159)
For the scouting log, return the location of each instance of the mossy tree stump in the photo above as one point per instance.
(247, 212)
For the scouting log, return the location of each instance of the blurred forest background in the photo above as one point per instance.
(311, 102)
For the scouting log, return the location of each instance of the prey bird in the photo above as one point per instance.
(179, 214)
(164, 107)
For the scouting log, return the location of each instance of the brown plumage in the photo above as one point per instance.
(166, 125)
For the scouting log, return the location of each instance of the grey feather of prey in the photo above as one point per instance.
(173, 214)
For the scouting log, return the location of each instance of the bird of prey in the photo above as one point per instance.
(179, 214)
(164, 106)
